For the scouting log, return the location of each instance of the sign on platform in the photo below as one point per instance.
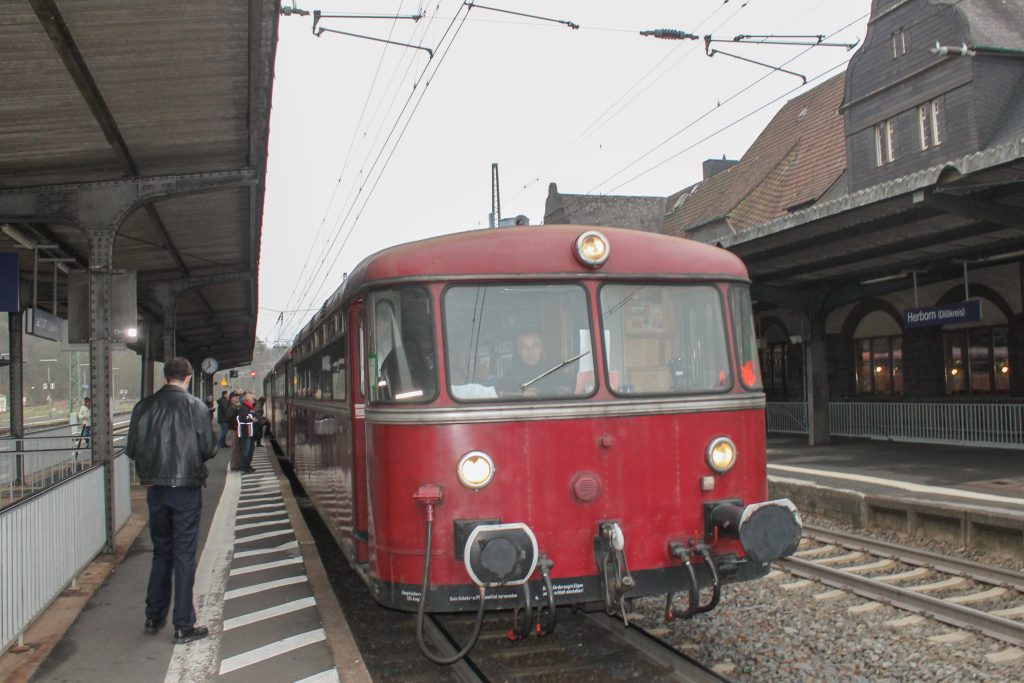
(9, 281)
(948, 314)
(45, 325)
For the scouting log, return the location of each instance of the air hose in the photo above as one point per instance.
(421, 612)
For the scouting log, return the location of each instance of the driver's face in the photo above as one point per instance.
(529, 348)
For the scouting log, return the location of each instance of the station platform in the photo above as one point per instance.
(260, 588)
(970, 495)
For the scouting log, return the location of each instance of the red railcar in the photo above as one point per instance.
(540, 416)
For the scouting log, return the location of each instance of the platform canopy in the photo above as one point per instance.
(157, 111)
(930, 224)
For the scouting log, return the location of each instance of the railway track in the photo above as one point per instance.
(585, 647)
(905, 577)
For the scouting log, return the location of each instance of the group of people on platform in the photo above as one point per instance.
(242, 422)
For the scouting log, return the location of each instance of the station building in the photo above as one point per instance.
(881, 216)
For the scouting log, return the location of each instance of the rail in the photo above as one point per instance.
(48, 537)
(998, 425)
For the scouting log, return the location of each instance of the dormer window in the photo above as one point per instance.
(885, 138)
(899, 43)
(928, 124)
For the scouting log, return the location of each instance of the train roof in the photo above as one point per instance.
(534, 250)
(540, 250)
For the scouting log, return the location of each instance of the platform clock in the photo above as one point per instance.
(209, 365)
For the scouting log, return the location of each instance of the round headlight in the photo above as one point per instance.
(592, 248)
(721, 454)
(475, 469)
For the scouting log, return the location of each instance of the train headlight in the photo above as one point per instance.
(592, 248)
(721, 454)
(475, 469)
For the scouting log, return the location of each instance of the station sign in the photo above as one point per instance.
(9, 281)
(948, 314)
(45, 325)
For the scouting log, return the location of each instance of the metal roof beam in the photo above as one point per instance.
(1000, 214)
(53, 23)
(107, 204)
(957, 232)
(857, 231)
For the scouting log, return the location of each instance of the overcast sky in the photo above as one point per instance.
(360, 159)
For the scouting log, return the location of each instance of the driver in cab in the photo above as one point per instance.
(540, 377)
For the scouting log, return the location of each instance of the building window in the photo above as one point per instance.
(928, 124)
(977, 360)
(885, 138)
(879, 365)
(899, 43)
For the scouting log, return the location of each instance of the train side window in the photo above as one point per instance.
(362, 357)
(401, 356)
(746, 340)
(338, 370)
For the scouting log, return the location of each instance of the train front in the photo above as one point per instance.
(567, 440)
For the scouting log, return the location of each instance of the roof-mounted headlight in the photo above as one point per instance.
(592, 249)
(721, 454)
(475, 469)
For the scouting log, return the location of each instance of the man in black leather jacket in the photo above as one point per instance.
(170, 438)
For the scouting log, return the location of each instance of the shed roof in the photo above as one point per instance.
(111, 90)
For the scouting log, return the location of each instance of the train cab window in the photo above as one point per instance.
(401, 359)
(518, 342)
(665, 339)
(746, 339)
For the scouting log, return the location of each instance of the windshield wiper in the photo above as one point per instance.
(524, 385)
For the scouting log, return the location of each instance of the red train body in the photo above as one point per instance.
(637, 463)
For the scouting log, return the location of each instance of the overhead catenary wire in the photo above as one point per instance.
(710, 111)
(303, 281)
(352, 200)
(346, 157)
(600, 121)
(394, 147)
(312, 292)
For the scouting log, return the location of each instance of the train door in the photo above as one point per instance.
(357, 407)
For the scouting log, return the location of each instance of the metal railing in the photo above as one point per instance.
(45, 541)
(44, 458)
(974, 424)
(789, 417)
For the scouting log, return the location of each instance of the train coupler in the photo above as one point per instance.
(684, 553)
(610, 553)
(766, 531)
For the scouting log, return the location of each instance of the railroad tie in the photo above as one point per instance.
(972, 598)
(945, 584)
(1010, 654)
(951, 637)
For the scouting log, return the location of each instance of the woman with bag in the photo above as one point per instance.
(235, 453)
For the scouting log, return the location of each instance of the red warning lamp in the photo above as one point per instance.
(252, 374)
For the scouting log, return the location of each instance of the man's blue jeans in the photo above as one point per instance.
(247, 447)
(174, 513)
(223, 435)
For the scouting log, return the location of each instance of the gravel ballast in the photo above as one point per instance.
(762, 631)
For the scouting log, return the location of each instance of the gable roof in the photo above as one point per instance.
(792, 163)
